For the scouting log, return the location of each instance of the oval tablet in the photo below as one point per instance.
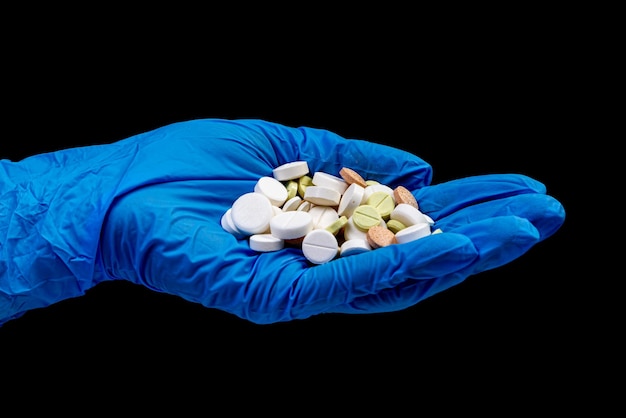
(291, 225)
(290, 171)
(265, 243)
(273, 189)
(251, 213)
(354, 246)
(320, 246)
(351, 199)
(366, 216)
(321, 195)
(413, 232)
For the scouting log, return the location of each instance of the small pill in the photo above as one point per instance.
(402, 195)
(251, 213)
(320, 246)
(323, 216)
(292, 189)
(292, 204)
(379, 236)
(351, 199)
(321, 195)
(338, 225)
(383, 203)
(369, 190)
(229, 226)
(291, 171)
(305, 206)
(291, 225)
(366, 216)
(354, 246)
(266, 243)
(395, 225)
(328, 180)
(413, 232)
(303, 183)
(352, 177)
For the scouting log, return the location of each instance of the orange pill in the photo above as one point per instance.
(379, 236)
(350, 176)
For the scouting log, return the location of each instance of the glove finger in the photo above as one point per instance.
(443, 199)
(497, 241)
(356, 277)
(329, 152)
(545, 213)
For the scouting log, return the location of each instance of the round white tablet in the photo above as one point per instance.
(266, 243)
(328, 180)
(291, 171)
(320, 246)
(291, 225)
(323, 216)
(321, 195)
(413, 232)
(273, 189)
(354, 246)
(292, 204)
(408, 215)
(351, 199)
(251, 213)
(229, 226)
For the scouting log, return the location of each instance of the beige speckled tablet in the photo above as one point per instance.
(379, 236)
(403, 195)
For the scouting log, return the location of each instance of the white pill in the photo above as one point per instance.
(413, 232)
(408, 215)
(273, 189)
(328, 180)
(354, 246)
(351, 231)
(229, 226)
(321, 195)
(351, 199)
(277, 210)
(266, 242)
(291, 171)
(320, 246)
(291, 225)
(323, 216)
(251, 213)
(369, 190)
(292, 204)
(305, 206)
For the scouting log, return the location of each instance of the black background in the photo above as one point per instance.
(468, 104)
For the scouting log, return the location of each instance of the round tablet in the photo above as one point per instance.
(291, 225)
(323, 216)
(328, 180)
(273, 189)
(290, 171)
(366, 216)
(383, 203)
(351, 199)
(408, 215)
(320, 246)
(413, 232)
(402, 195)
(251, 213)
(266, 242)
(379, 236)
(321, 195)
(354, 246)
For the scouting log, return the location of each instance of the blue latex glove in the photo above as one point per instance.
(147, 209)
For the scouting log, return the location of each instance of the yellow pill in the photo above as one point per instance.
(366, 216)
(395, 225)
(303, 183)
(337, 226)
(383, 203)
(371, 182)
(292, 189)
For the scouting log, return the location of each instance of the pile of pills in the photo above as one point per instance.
(327, 216)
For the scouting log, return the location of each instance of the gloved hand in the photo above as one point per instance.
(147, 209)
